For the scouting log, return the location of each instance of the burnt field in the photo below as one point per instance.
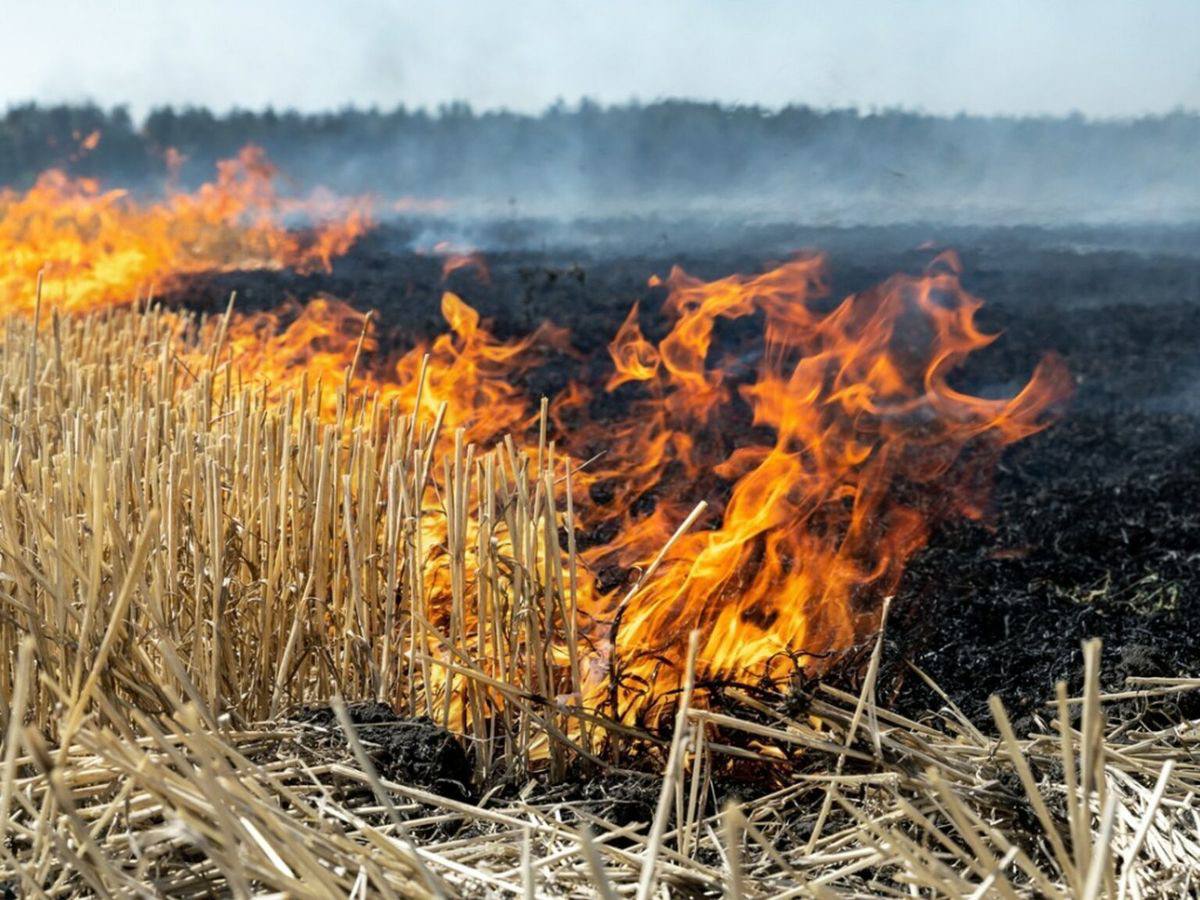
(1094, 528)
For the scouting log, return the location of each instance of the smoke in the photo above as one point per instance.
(1021, 69)
(670, 161)
(686, 160)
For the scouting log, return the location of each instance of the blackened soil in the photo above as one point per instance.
(413, 752)
(1095, 526)
(1096, 532)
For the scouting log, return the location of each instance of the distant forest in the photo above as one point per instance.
(586, 159)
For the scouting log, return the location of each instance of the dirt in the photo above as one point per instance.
(409, 751)
(1095, 524)
(1083, 544)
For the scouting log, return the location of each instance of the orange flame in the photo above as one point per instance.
(456, 259)
(467, 370)
(827, 452)
(862, 447)
(100, 248)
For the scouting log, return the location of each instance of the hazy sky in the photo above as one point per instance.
(1100, 57)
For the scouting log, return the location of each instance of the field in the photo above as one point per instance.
(319, 635)
(1093, 530)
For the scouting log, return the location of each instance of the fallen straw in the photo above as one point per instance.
(183, 555)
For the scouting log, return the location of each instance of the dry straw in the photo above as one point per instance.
(187, 556)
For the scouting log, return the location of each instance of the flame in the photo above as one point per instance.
(827, 452)
(458, 258)
(86, 144)
(634, 358)
(463, 377)
(827, 448)
(825, 471)
(100, 247)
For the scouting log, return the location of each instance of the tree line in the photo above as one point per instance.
(681, 151)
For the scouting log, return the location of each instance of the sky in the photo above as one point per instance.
(1102, 58)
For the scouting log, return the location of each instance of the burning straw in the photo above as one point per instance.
(406, 508)
(184, 562)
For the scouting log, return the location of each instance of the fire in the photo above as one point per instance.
(472, 373)
(827, 449)
(826, 454)
(100, 247)
(825, 471)
(455, 258)
(463, 378)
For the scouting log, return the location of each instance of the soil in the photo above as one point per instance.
(414, 752)
(1095, 523)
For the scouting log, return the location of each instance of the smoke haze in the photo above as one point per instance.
(873, 112)
(680, 160)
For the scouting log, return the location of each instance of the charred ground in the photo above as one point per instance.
(1095, 529)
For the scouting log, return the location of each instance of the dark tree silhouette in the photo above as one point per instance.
(665, 155)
